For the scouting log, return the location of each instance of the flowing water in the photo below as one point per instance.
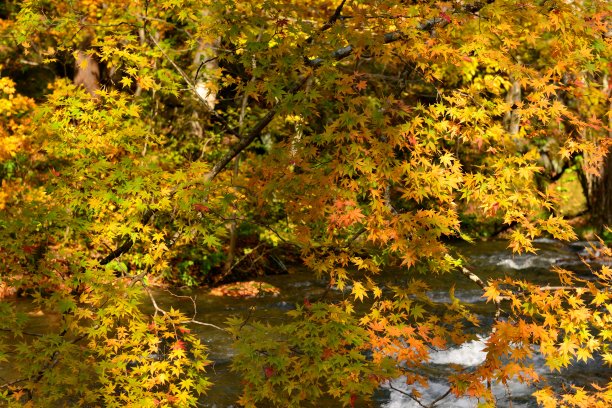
(487, 259)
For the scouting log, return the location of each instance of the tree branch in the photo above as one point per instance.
(476, 279)
(393, 36)
(440, 398)
(329, 24)
(158, 309)
(332, 20)
(252, 135)
(129, 242)
(412, 397)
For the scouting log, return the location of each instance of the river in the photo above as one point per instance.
(487, 259)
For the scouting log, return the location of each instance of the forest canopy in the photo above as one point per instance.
(198, 143)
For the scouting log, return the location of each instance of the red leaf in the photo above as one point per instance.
(201, 208)
(269, 371)
(494, 208)
(282, 22)
(29, 248)
(327, 353)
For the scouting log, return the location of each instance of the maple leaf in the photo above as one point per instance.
(162, 378)
(359, 290)
(567, 347)
(491, 293)
(201, 208)
(269, 371)
(607, 357)
(126, 81)
(447, 159)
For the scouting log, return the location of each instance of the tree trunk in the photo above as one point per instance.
(512, 119)
(205, 63)
(599, 187)
(87, 73)
(599, 195)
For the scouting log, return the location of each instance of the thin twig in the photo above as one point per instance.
(8, 384)
(431, 405)
(412, 397)
(254, 133)
(138, 278)
(508, 394)
(163, 312)
(332, 20)
(154, 302)
(243, 258)
(206, 324)
(328, 24)
(251, 309)
(23, 332)
(193, 301)
(193, 89)
(440, 398)
(476, 279)
(206, 61)
(250, 221)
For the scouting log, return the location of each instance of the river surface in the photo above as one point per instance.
(487, 259)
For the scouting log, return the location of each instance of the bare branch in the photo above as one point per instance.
(206, 61)
(474, 278)
(431, 405)
(193, 301)
(192, 320)
(154, 302)
(440, 398)
(332, 20)
(207, 324)
(412, 397)
(245, 256)
(8, 384)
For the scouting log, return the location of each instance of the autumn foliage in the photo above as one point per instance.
(356, 136)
